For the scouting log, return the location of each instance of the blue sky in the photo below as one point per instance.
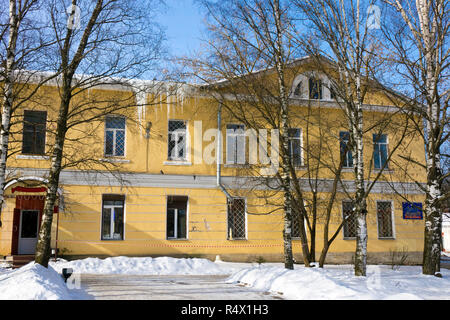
(183, 23)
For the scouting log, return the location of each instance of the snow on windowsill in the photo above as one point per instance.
(31, 157)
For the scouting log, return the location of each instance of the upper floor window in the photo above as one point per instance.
(380, 150)
(113, 217)
(34, 127)
(177, 140)
(315, 89)
(298, 89)
(295, 147)
(344, 137)
(235, 144)
(115, 136)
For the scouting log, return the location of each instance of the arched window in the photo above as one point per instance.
(298, 90)
(315, 89)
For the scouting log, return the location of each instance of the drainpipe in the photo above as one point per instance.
(219, 152)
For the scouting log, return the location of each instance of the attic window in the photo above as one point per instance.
(298, 90)
(315, 89)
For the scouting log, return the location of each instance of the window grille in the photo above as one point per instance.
(115, 136)
(177, 140)
(384, 219)
(236, 218)
(235, 144)
(350, 220)
(34, 128)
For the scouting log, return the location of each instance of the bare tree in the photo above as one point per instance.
(340, 39)
(417, 40)
(22, 45)
(96, 42)
(245, 67)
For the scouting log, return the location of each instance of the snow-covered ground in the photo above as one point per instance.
(338, 282)
(333, 282)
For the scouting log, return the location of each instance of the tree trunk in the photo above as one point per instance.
(8, 98)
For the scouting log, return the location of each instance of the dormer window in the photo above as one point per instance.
(298, 90)
(315, 89)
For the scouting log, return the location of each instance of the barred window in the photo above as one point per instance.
(295, 147)
(235, 144)
(296, 224)
(113, 217)
(236, 219)
(177, 140)
(350, 220)
(380, 150)
(348, 158)
(115, 136)
(384, 219)
(34, 127)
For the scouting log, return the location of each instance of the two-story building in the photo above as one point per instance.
(158, 192)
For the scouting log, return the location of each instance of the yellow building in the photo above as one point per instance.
(158, 194)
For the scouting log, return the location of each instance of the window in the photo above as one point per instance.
(236, 219)
(344, 137)
(295, 146)
(177, 140)
(235, 144)
(298, 92)
(177, 217)
(350, 221)
(115, 136)
(384, 219)
(380, 150)
(113, 217)
(315, 89)
(34, 127)
(296, 224)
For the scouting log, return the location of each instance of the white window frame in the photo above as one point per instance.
(349, 152)
(393, 237)
(176, 221)
(185, 158)
(245, 223)
(379, 152)
(300, 139)
(235, 137)
(114, 137)
(112, 220)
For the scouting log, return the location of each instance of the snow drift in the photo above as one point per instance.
(142, 266)
(33, 282)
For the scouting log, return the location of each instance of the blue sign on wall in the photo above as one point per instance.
(412, 210)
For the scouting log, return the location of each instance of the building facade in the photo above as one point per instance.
(145, 181)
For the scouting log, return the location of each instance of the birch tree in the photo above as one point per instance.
(417, 37)
(22, 44)
(248, 40)
(96, 42)
(339, 36)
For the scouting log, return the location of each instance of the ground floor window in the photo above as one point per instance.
(113, 217)
(349, 220)
(237, 219)
(177, 217)
(384, 219)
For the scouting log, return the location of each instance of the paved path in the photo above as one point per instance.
(123, 287)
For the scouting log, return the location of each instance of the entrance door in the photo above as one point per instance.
(28, 232)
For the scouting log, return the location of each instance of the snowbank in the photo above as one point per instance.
(142, 266)
(33, 282)
(338, 282)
